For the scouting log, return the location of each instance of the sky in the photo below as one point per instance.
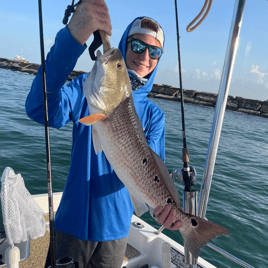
(202, 51)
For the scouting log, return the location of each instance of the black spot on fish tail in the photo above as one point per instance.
(197, 232)
(194, 222)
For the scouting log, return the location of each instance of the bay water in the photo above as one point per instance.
(238, 198)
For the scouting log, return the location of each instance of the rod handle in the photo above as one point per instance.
(105, 41)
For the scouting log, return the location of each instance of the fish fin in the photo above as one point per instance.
(96, 142)
(140, 207)
(167, 178)
(91, 119)
(199, 233)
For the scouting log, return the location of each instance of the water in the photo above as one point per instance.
(238, 198)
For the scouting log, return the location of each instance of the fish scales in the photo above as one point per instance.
(117, 131)
(127, 153)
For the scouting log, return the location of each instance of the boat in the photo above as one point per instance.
(19, 58)
(145, 246)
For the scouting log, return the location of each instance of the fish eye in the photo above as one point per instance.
(119, 65)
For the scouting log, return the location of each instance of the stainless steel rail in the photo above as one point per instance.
(229, 256)
(220, 106)
(190, 205)
(232, 46)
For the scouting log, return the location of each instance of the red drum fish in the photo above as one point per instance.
(117, 131)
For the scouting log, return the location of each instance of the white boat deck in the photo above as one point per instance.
(144, 246)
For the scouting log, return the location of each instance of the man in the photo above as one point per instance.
(93, 219)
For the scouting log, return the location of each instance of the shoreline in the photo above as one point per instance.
(236, 104)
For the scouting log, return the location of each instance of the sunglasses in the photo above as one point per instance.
(138, 46)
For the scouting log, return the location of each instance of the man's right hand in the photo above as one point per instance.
(90, 16)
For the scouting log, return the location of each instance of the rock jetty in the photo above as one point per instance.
(237, 104)
(29, 68)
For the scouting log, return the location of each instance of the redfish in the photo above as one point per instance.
(117, 131)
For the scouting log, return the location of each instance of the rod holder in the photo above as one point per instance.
(65, 262)
(12, 256)
(190, 205)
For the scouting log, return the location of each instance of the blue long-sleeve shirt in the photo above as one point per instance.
(95, 204)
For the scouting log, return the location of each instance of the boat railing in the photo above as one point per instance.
(217, 124)
(229, 256)
(218, 120)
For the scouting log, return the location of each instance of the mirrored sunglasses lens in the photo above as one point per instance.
(155, 53)
(137, 46)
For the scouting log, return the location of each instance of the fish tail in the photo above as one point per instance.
(199, 233)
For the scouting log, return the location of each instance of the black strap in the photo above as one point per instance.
(97, 42)
(69, 10)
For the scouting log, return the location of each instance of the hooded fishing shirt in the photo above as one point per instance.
(95, 204)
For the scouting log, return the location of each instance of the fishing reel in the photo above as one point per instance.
(178, 175)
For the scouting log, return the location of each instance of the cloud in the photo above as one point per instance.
(217, 74)
(213, 63)
(204, 73)
(260, 78)
(254, 69)
(176, 69)
(48, 42)
(198, 73)
(248, 48)
(260, 75)
(253, 84)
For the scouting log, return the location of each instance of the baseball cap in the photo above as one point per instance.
(138, 27)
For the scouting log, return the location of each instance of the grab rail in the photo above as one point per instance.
(220, 106)
(218, 120)
(229, 256)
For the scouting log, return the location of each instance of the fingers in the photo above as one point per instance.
(166, 217)
(163, 216)
(101, 20)
(98, 15)
(158, 210)
(100, 12)
(175, 226)
(90, 16)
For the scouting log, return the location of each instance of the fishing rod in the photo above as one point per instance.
(187, 174)
(190, 197)
(48, 157)
(185, 153)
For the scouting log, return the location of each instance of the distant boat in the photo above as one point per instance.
(19, 58)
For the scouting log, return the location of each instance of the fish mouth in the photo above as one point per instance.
(112, 54)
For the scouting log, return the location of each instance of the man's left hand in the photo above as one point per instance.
(166, 216)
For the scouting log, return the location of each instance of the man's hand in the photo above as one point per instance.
(166, 216)
(90, 16)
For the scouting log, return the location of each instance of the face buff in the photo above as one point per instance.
(136, 80)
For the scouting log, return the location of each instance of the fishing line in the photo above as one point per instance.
(48, 157)
(185, 154)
